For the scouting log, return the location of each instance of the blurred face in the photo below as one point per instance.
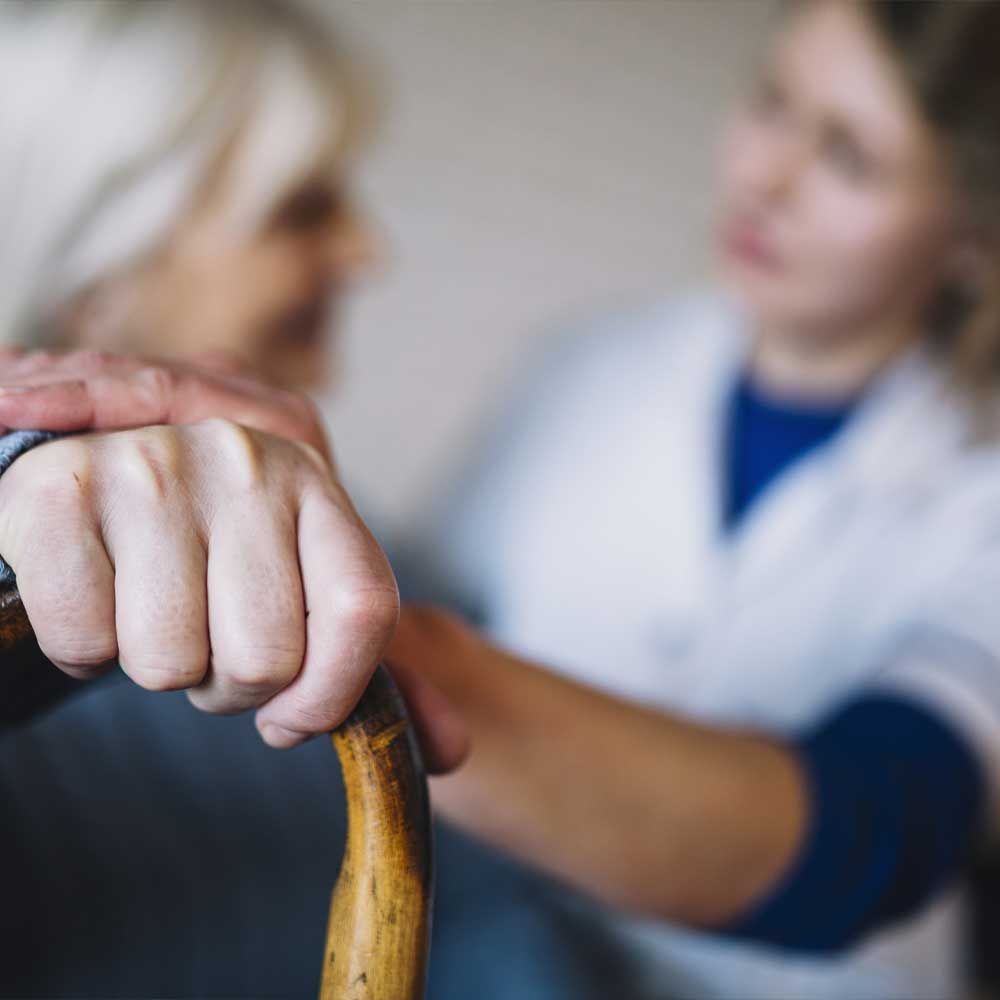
(835, 211)
(266, 297)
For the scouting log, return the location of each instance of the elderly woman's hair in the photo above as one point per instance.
(115, 113)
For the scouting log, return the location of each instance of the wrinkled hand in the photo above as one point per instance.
(90, 390)
(305, 671)
(213, 558)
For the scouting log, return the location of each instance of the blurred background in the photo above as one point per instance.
(527, 168)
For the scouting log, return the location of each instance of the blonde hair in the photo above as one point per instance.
(116, 111)
(947, 53)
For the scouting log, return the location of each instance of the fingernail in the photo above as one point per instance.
(279, 737)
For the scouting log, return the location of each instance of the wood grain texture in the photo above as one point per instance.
(379, 929)
(14, 624)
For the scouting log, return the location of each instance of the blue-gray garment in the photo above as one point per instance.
(151, 850)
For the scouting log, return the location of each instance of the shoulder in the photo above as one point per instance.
(923, 462)
(956, 510)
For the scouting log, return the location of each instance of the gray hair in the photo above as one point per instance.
(114, 112)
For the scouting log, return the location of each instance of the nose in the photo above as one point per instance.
(353, 247)
(778, 165)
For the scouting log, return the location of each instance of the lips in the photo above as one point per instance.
(747, 242)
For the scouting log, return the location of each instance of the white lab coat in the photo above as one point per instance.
(591, 532)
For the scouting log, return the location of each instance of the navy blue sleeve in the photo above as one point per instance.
(896, 800)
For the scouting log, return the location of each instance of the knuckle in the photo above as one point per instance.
(160, 381)
(314, 457)
(260, 668)
(150, 460)
(372, 607)
(164, 671)
(214, 702)
(241, 449)
(203, 701)
(78, 651)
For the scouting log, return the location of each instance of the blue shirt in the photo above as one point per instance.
(766, 437)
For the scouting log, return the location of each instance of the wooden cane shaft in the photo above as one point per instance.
(379, 928)
(14, 624)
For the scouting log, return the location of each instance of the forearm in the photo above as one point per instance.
(641, 809)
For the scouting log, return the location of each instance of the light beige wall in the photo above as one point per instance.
(537, 157)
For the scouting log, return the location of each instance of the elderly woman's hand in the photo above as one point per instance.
(90, 390)
(209, 557)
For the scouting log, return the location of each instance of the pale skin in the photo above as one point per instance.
(853, 224)
(266, 299)
(219, 554)
(214, 558)
(832, 168)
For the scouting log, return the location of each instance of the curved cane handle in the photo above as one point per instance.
(379, 929)
(378, 933)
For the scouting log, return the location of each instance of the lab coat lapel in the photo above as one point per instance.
(905, 421)
(682, 490)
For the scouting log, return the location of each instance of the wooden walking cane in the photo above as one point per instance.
(379, 927)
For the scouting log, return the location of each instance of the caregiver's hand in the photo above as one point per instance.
(210, 557)
(90, 390)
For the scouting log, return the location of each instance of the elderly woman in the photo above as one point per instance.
(173, 182)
